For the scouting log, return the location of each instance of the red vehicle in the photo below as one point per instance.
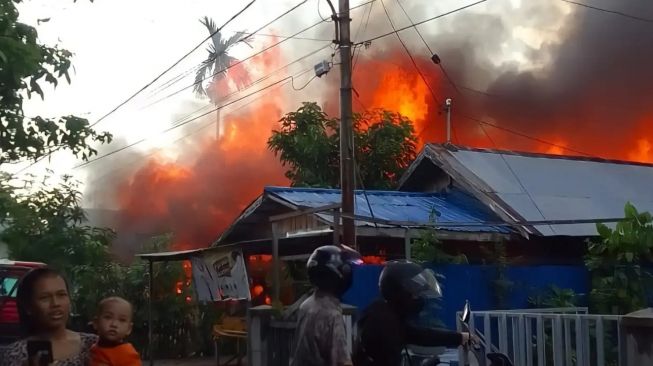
(10, 274)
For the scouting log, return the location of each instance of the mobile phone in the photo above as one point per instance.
(41, 351)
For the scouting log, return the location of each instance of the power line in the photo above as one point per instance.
(257, 53)
(647, 20)
(122, 167)
(305, 85)
(444, 71)
(180, 76)
(521, 134)
(174, 64)
(409, 54)
(282, 41)
(150, 83)
(421, 22)
(286, 80)
(514, 174)
(234, 64)
(367, 21)
(244, 37)
(269, 75)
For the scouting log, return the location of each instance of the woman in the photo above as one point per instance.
(44, 306)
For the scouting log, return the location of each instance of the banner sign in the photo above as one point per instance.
(220, 276)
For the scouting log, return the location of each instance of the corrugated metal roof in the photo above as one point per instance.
(452, 207)
(550, 187)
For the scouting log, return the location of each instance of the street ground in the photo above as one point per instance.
(188, 362)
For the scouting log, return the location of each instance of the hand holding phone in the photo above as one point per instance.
(39, 353)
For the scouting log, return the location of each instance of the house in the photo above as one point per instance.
(551, 199)
(457, 216)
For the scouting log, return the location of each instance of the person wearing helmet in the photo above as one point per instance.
(385, 327)
(320, 335)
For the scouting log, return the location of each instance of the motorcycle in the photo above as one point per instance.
(472, 354)
(495, 358)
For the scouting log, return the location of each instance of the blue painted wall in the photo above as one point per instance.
(473, 283)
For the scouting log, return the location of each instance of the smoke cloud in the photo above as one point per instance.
(572, 76)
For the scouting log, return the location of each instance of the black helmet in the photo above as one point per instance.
(407, 286)
(330, 268)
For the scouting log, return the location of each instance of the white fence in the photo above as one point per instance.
(549, 337)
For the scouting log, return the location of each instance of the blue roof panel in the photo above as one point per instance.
(452, 207)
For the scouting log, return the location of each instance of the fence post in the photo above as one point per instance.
(600, 352)
(541, 341)
(487, 333)
(568, 345)
(580, 350)
(558, 349)
(503, 334)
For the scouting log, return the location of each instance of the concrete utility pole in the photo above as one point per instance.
(347, 176)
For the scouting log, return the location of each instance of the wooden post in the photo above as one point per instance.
(336, 227)
(407, 244)
(149, 310)
(276, 275)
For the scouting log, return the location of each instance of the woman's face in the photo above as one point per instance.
(50, 303)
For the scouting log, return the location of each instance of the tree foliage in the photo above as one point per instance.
(25, 65)
(218, 60)
(619, 281)
(308, 141)
(45, 223)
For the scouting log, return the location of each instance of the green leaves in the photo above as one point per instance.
(45, 223)
(620, 284)
(24, 65)
(307, 143)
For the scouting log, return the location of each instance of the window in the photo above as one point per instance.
(8, 284)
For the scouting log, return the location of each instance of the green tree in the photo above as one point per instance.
(307, 143)
(619, 281)
(44, 222)
(217, 64)
(427, 248)
(25, 64)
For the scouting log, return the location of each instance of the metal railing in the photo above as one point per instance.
(549, 337)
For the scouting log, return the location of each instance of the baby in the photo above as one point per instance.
(113, 324)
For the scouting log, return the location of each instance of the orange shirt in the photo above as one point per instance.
(122, 355)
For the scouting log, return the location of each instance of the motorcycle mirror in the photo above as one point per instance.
(466, 313)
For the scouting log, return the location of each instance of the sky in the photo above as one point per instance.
(121, 45)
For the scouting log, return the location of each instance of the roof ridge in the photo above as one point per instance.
(373, 192)
(527, 154)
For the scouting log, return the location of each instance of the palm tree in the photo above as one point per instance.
(217, 63)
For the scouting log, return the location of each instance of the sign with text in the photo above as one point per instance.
(220, 276)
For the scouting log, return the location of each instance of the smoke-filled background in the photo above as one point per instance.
(537, 75)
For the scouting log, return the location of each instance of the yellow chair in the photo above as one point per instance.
(230, 327)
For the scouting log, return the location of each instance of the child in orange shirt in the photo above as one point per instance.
(113, 324)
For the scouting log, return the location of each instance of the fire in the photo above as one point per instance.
(403, 92)
(558, 149)
(257, 290)
(196, 199)
(642, 152)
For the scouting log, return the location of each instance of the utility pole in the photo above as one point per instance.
(447, 106)
(347, 176)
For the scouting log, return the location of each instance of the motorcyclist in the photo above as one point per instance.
(320, 335)
(385, 327)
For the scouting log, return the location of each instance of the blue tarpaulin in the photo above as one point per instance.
(454, 206)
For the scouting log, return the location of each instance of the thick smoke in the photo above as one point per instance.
(587, 86)
(581, 80)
